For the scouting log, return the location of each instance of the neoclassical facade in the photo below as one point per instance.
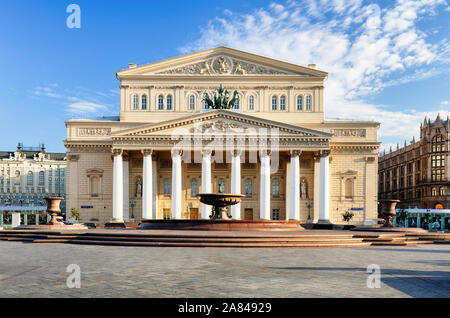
(418, 173)
(275, 146)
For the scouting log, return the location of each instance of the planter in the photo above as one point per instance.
(388, 211)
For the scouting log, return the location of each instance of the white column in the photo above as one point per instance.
(126, 189)
(155, 190)
(206, 181)
(264, 204)
(118, 186)
(324, 216)
(236, 182)
(295, 185)
(176, 184)
(316, 189)
(147, 192)
(288, 192)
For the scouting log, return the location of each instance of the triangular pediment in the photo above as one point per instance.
(219, 122)
(222, 61)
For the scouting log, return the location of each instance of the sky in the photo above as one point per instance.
(388, 61)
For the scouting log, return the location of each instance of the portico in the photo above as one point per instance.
(208, 165)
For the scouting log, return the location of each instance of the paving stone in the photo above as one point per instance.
(40, 271)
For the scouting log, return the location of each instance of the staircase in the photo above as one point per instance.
(122, 238)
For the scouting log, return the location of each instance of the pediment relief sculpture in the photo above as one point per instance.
(217, 126)
(223, 65)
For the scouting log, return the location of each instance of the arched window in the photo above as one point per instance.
(275, 187)
(442, 192)
(167, 187)
(349, 188)
(251, 102)
(135, 101)
(237, 103)
(308, 102)
(169, 102)
(30, 178)
(160, 102)
(144, 102)
(437, 143)
(299, 102)
(194, 187)
(41, 178)
(274, 103)
(433, 192)
(205, 104)
(221, 186)
(283, 103)
(248, 187)
(192, 102)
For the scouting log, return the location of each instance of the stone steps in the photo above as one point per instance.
(122, 238)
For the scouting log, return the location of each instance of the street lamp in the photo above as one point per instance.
(132, 204)
(309, 205)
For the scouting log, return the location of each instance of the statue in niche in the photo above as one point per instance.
(138, 188)
(304, 189)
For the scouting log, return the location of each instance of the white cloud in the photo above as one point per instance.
(85, 108)
(80, 102)
(365, 48)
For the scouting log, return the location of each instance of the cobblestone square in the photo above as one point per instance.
(39, 270)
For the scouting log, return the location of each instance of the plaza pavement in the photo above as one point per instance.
(39, 270)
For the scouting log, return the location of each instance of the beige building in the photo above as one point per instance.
(418, 174)
(275, 146)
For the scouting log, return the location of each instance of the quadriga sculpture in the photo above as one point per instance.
(221, 99)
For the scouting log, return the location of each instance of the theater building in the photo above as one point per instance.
(417, 174)
(275, 146)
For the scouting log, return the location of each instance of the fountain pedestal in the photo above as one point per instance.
(388, 212)
(219, 220)
(53, 210)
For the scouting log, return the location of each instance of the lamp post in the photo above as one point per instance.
(132, 204)
(309, 205)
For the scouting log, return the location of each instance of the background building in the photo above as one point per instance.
(29, 174)
(418, 174)
(129, 167)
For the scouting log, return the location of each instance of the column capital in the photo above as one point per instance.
(126, 156)
(295, 153)
(117, 151)
(206, 152)
(265, 152)
(369, 159)
(176, 152)
(324, 153)
(236, 152)
(316, 158)
(147, 152)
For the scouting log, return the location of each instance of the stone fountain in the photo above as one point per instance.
(220, 220)
(220, 202)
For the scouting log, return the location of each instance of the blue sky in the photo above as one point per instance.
(388, 61)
